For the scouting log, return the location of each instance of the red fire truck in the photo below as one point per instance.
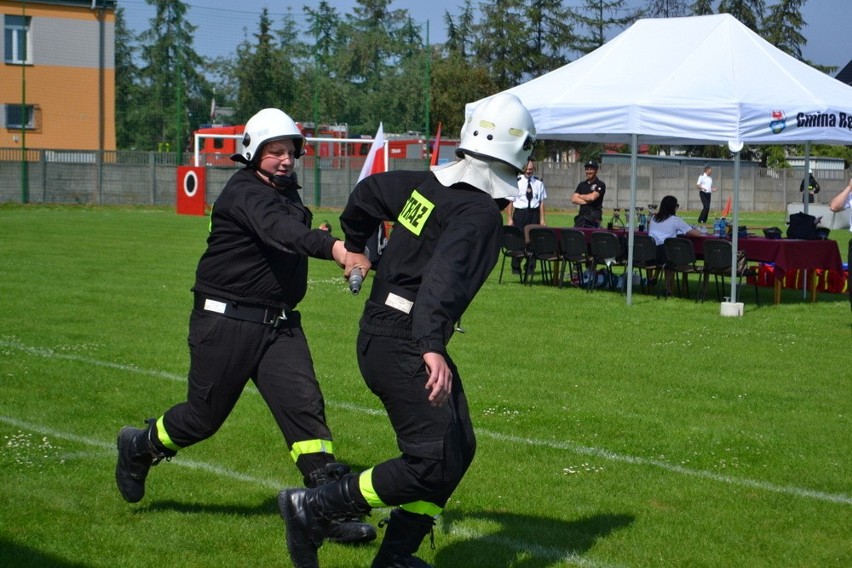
(215, 144)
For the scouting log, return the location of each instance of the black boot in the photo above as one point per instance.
(404, 533)
(349, 530)
(308, 514)
(136, 454)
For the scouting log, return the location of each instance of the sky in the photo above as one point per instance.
(827, 32)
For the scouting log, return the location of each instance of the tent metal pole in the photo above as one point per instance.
(631, 218)
(806, 180)
(735, 230)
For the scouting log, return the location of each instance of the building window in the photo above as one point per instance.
(15, 119)
(16, 37)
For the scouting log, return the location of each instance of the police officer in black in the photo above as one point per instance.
(589, 196)
(244, 324)
(813, 187)
(445, 242)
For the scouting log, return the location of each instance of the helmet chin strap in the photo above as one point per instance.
(278, 181)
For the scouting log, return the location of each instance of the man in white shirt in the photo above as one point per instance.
(705, 188)
(527, 207)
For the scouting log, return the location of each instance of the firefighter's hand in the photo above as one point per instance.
(440, 381)
(357, 260)
(338, 253)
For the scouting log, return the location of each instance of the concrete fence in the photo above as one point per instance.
(150, 178)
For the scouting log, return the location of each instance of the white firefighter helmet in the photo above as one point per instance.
(267, 125)
(499, 128)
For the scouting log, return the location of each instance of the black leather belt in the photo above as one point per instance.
(277, 318)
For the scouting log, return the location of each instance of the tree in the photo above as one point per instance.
(597, 17)
(380, 63)
(460, 31)
(782, 27)
(174, 92)
(501, 42)
(128, 111)
(456, 81)
(748, 12)
(550, 31)
(667, 8)
(702, 7)
(324, 86)
(263, 80)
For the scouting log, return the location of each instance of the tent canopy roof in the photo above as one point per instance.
(694, 80)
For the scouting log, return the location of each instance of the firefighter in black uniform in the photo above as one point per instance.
(445, 242)
(244, 324)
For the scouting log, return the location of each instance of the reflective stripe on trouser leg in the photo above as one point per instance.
(365, 484)
(311, 447)
(163, 436)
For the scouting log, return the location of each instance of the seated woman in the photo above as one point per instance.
(666, 224)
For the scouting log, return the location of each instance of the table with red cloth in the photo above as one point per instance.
(790, 260)
(788, 257)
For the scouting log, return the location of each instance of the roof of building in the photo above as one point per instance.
(92, 4)
(845, 75)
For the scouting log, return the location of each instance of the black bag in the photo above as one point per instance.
(772, 233)
(802, 226)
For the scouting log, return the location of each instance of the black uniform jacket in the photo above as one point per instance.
(585, 188)
(259, 241)
(444, 243)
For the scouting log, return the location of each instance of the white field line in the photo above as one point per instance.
(514, 440)
(457, 530)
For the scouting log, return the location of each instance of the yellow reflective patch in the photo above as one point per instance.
(422, 508)
(365, 484)
(163, 436)
(415, 212)
(311, 447)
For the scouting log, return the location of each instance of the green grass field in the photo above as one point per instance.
(610, 436)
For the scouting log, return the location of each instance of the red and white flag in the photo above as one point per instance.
(436, 147)
(375, 162)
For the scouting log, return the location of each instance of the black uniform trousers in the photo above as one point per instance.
(224, 354)
(705, 206)
(521, 218)
(437, 443)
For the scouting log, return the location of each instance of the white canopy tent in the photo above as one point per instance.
(695, 80)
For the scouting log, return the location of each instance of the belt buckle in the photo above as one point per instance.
(280, 320)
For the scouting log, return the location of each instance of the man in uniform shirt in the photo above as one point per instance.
(589, 196)
(244, 324)
(705, 192)
(445, 242)
(527, 207)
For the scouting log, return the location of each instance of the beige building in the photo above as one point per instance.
(57, 80)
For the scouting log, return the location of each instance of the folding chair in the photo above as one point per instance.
(513, 247)
(544, 250)
(717, 262)
(645, 259)
(606, 250)
(574, 252)
(681, 261)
